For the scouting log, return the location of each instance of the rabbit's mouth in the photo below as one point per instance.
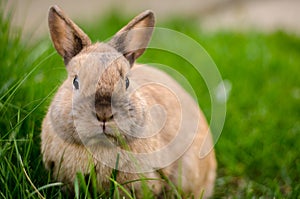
(111, 138)
(114, 135)
(118, 140)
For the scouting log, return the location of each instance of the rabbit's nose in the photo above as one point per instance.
(104, 116)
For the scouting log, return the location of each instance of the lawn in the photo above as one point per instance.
(258, 151)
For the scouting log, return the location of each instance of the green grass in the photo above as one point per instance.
(258, 151)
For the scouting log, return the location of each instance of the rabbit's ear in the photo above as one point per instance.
(67, 37)
(133, 39)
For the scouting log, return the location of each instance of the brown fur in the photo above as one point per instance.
(78, 130)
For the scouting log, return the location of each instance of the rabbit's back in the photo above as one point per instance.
(184, 124)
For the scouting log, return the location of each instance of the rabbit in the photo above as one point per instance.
(112, 109)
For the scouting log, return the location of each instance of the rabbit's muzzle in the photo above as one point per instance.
(104, 113)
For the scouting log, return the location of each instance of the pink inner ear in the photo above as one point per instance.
(67, 37)
(130, 57)
(133, 39)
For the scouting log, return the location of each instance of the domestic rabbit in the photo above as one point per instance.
(112, 114)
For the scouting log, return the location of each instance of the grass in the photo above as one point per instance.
(258, 151)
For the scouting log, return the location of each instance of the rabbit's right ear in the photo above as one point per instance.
(67, 37)
(133, 39)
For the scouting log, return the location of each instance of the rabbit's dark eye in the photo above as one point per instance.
(76, 82)
(126, 82)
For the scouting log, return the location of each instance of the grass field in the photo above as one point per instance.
(258, 151)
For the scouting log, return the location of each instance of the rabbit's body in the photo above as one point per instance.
(101, 117)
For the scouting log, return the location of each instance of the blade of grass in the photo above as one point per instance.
(143, 179)
(22, 80)
(55, 184)
(25, 172)
(162, 175)
(121, 187)
(37, 106)
(76, 187)
(114, 176)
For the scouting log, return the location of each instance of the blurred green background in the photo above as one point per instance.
(258, 150)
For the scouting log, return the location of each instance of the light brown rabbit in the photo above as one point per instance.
(111, 110)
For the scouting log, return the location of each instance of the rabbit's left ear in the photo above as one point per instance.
(67, 37)
(133, 39)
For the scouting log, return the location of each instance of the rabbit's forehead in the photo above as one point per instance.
(99, 70)
(101, 60)
(97, 58)
(98, 62)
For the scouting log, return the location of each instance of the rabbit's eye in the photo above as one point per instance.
(76, 82)
(126, 82)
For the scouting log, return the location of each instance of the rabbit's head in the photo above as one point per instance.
(98, 90)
